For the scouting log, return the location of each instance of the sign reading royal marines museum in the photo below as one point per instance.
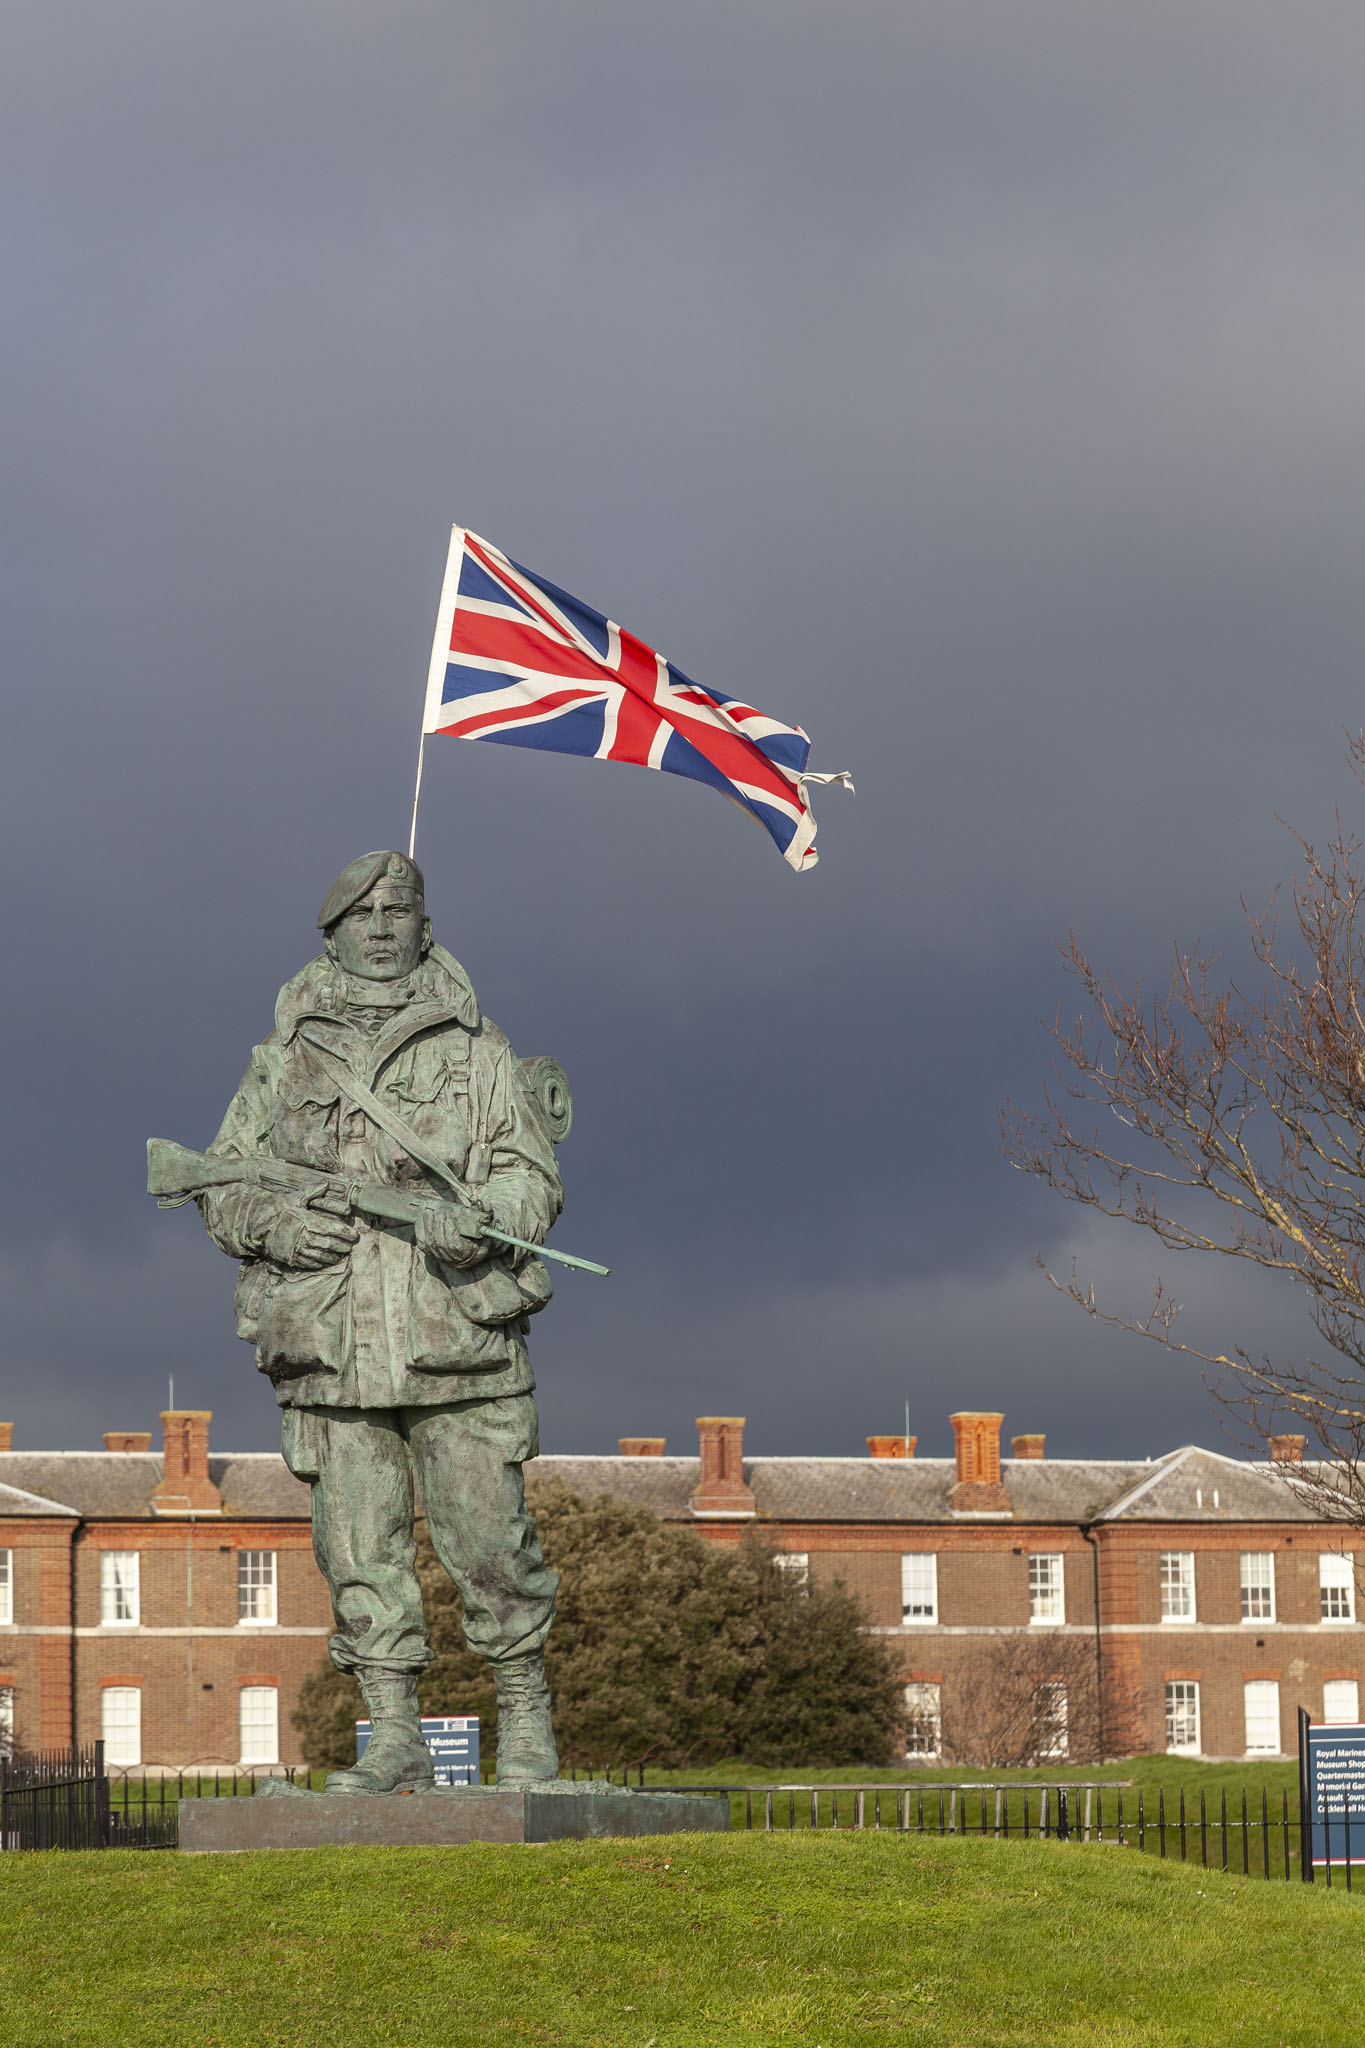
(1332, 1792)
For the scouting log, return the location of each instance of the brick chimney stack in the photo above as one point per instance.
(891, 1446)
(978, 1490)
(1286, 1450)
(185, 1484)
(721, 1493)
(127, 1439)
(641, 1446)
(1027, 1446)
(6, 1436)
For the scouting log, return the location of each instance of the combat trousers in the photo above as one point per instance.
(467, 1458)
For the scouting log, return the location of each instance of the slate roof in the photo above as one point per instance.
(118, 1485)
(1047, 1490)
(1187, 1485)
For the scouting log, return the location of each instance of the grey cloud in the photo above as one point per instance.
(976, 386)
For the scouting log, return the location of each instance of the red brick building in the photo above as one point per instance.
(169, 1601)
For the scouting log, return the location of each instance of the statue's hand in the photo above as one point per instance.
(439, 1231)
(307, 1238)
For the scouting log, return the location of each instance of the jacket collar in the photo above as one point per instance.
(440, 992)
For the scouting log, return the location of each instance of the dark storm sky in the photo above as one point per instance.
(977, 385)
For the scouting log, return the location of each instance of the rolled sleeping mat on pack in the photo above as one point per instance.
(549, 1084)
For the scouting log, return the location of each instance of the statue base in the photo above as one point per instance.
(443, 1819)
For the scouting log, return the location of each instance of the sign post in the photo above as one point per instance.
(453, 1740)
(1331, 1796)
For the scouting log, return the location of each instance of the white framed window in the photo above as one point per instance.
(923, 1718)
(6, 1586)
(1337, 1585)
(1258, 1585)
(1182, 1716)
(6, 1722)
(121, 1724)
(1341, 1700)
(919, 1588)
(256, 1587)
(1262, 1706)
(258, 1721)
(120, 1602)
(795, 1563)
(1046, 1587)
(1050, 1715)
(1177, 1585)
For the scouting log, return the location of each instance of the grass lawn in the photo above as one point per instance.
(679, 1941)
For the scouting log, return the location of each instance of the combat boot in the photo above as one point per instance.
(396, 1756)
(526, 1743)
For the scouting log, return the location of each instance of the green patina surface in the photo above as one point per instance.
(399, 1347)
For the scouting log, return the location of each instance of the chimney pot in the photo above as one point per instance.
(891, 1446)
(1027, 1446)
(185, 1484)
(6, 1436)
(1286, 1450)
(127, 1439)
(641, 1446)
(721, 1490)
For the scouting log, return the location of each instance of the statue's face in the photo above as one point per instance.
(383, 936)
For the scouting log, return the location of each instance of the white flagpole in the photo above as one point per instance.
(440, 648)
(416, 794)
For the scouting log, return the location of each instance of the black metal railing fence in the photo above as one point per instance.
(68, 1800)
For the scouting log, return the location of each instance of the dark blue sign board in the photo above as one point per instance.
(452, 1740)
(1332, 1790)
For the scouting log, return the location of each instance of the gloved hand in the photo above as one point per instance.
(305, 1238)
(446, 1231)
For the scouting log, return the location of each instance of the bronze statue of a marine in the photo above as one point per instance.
(392, 1324)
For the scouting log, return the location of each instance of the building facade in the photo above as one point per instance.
(168, 1602)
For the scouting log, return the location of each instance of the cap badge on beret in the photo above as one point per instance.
(359, 878)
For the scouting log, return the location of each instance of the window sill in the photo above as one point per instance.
(272, 1623)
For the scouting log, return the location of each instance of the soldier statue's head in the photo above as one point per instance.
(374, 917)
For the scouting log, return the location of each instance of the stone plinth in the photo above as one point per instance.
(322, 1820)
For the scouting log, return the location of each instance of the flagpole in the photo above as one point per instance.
(416, 794)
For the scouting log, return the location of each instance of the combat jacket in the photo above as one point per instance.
(388, 1326)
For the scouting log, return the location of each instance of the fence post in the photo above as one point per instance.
(1246, 1840)
(101, 1797)
(1305, 1809)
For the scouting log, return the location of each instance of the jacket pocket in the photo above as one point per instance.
(252, 1280)
(304, 1322)
(457, 1316)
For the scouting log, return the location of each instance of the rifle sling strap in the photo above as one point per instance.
(387, 1119)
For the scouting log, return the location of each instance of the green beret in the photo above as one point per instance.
(360, 877)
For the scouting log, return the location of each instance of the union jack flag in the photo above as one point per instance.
(517, 660)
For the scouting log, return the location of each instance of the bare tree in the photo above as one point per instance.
(1034, 1699)
(1234, 1123)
